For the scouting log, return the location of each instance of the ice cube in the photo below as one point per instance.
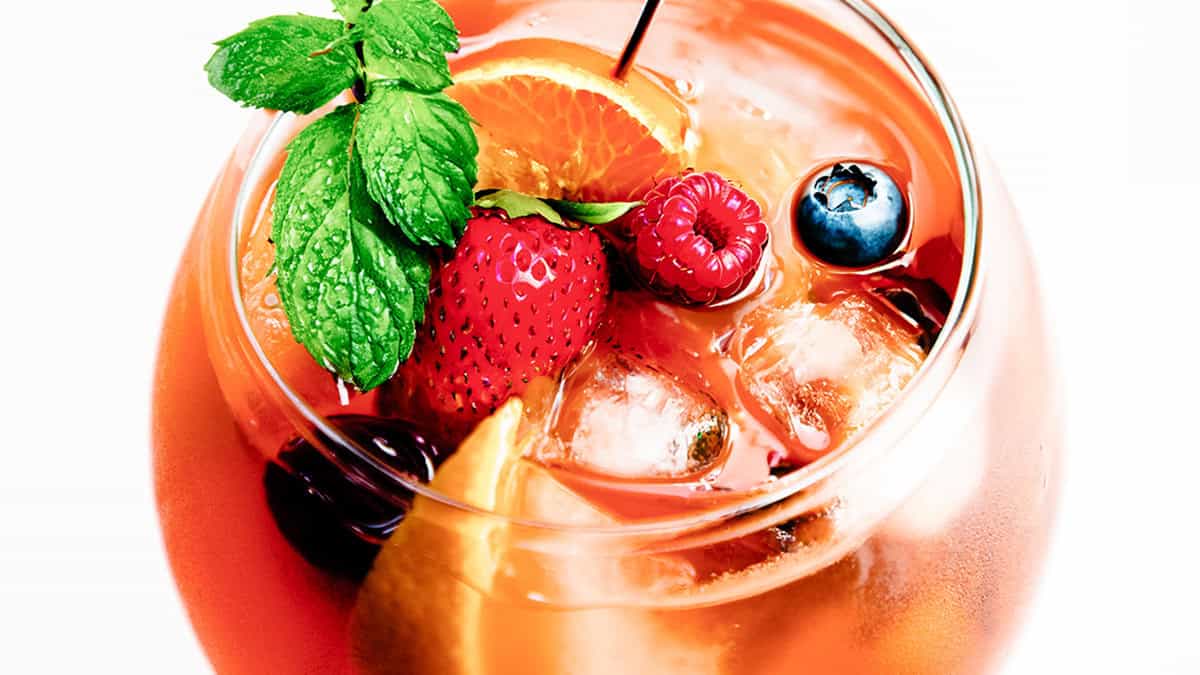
(823, 371)
(621, 417)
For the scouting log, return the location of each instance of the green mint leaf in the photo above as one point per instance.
(350, 10)
(419, 154)
(518, 205)
(592, 213)
(290, 63)
(407, 41)
(352, 288)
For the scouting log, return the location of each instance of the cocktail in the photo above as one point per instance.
(519, 346)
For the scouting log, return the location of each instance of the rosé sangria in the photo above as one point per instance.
(507, 343)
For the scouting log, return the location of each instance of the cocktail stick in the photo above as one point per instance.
(635, 41)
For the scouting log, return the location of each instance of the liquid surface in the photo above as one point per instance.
(786, 98)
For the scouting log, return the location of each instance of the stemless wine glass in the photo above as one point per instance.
(911, 549)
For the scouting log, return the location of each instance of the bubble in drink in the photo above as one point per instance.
(823, 371)
(624, 418)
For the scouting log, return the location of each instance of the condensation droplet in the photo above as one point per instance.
(747, 108)
(688, 90)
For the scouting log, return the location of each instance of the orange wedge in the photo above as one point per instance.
(553, 122)
(458, 593)
(416, 612)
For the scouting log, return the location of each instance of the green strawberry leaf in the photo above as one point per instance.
(418, 151)
(592, 213)
(407, 41)
(350, 10)
(293, 63)
(518, 205)
(566, 214)
(352, 289)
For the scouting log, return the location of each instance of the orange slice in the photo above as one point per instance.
(553, 122)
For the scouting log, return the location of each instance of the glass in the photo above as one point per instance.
(911, 549)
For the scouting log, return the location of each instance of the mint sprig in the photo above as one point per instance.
(366, 187)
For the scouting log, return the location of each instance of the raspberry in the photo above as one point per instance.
(699, 239)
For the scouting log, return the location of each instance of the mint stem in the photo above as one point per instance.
(360, 85)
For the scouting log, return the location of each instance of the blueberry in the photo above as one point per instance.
(852, 215)
(335, 517)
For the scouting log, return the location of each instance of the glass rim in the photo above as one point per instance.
(897, 418)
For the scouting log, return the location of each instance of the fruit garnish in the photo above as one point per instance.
(451, 588)
(364, 187)
(852, 215)
(557, 125)
(698, 239)
(519, 299)
(407, 595)
(331, 514)
(921, 301)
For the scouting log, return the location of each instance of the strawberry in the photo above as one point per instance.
(519, 299)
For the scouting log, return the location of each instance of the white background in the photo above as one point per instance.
(109, 136)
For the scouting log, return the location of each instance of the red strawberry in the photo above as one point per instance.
(520, 299)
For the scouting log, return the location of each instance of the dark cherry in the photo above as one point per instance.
(335, 516)
(925, 303)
